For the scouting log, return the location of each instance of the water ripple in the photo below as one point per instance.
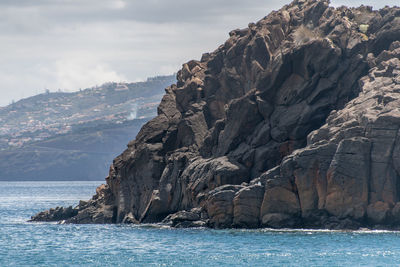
(49, 244)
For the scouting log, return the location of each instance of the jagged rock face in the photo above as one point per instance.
(350, 167)
(292, 122)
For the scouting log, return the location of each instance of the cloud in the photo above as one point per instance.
(73, 73)
(118, 4)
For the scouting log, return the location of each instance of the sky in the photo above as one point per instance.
(75, 44)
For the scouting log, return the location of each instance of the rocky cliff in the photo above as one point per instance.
(292, 122)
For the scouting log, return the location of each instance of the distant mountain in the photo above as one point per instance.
(74, 136)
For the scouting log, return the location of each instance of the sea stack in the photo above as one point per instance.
(292, 122)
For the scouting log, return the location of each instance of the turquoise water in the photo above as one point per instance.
(49, 244)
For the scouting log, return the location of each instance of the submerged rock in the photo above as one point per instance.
(292, 122)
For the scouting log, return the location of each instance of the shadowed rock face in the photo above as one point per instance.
(293, 122)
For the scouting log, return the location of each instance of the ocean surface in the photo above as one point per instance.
(50, 244)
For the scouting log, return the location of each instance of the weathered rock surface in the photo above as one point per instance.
(293, 122)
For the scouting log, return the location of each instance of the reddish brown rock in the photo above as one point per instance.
(247, 205)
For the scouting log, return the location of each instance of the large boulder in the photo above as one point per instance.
(220, 206)
(247, 205)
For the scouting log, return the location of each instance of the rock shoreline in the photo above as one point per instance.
(197, 218)
(292, 123)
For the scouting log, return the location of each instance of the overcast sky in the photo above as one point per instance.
(72, 44)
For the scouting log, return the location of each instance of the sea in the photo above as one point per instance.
(23, 243)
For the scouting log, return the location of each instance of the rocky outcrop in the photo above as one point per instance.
(293, 122)
(99, 209)
(350, 167)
